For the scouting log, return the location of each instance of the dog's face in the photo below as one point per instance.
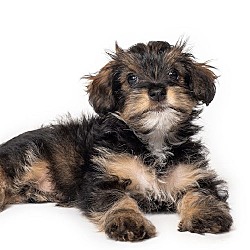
(151, 80)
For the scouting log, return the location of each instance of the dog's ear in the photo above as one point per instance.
(202, 82)
(100, 88)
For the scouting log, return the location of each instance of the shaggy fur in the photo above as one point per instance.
(137, 155)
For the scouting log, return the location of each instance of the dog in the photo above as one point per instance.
(138, 154)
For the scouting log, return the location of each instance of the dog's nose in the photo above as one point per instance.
(157, 94)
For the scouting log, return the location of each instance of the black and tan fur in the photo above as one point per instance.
(137, 155)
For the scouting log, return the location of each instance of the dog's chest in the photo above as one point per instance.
(143, 179)
(146, 183)
(159, 124)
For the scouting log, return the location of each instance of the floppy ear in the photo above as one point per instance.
(202, 81)
(100, 89)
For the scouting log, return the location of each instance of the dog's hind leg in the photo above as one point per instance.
(3, 185)
(13, 191)
(7, 191)
(32, 186)
(25, 170)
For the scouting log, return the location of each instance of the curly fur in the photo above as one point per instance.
(138, 154)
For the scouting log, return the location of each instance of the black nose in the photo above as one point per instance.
(157, 94)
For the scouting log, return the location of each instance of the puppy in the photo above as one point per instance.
(137, 155)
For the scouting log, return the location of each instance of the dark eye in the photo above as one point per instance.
(132, 79)
(173, 73)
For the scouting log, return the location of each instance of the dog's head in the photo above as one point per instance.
(151, 79)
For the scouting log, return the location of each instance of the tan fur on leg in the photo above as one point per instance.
(124, 221)
(202, 213)
(3, 187)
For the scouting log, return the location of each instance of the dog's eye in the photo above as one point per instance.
(173, 73)
(132, 79)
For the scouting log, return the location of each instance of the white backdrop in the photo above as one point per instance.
(47, 46)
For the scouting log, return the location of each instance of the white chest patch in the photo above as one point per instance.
(159, 124)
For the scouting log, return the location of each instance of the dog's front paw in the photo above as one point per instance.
(128, 225)
(202, 213)
(210, 221)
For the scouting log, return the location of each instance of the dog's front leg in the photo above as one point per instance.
(113, 211)
(200, 198)
(203, 213)
(124, 221)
